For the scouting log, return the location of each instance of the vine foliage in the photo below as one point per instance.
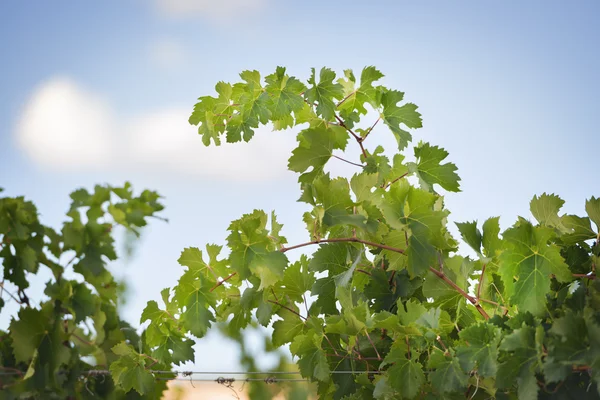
(390, 292)
(61, 337)
(378, 288)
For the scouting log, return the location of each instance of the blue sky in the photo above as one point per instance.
(94, 92)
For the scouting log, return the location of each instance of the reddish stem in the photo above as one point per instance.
(287, 308)
(471, 299)
(223, 281)
(394, 181)
(337, 240)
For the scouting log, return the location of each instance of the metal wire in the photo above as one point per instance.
(231, 380)
(187, 374)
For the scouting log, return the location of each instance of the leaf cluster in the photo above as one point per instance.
(385, 293)
(61, 336)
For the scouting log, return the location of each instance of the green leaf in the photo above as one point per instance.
(129, 371)
(531, 260)
(286, 329)
(577, 229)
(314, 150)
(395, 116)
(430, 170)
(312, 360)
(38, 339)
(343, 279)
(332, 257)
(470, 234)
(269, 268)
(545, 209)
(297, 280)
(592, 207)
(366, 93)
(324, 289)
(338, 207)
(447, 376)
(480, 349)
(520, 364)
(193, 293)
(174, 348)
(284, 93)
(490, 240)
(414, 310)
(406, 375)
(324, 92)
(408, 207)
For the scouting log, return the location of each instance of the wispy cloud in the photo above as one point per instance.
(65, 127)
(167, 53)
(217, 10)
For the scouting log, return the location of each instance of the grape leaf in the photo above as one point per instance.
(28, 332)
(324, 92)
(430, 170)
(268, 267)
(592, 207)
(324, 289)
(447, 376)
(408, 207)
(520, 365)
(545, 209)
(314, 150)
(194, 294)
(531, 260)
(577, 229)
(297, 280)
(284, 93)
(406, 375)
(490, 240)
(395, 116)
(366, 93)
(480, 348)
(470, 234)
(129, 371)
(312, 360)
(286, 329)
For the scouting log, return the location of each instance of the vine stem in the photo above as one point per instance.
(346, 161)
(370, 129)
(331, 344)
(359, 140)
(287, 308)
(394, 181)
(9, 293)
(439, 274)
(480, 282)
(373, 344)
(345, 98)
(592, 277)
(337, 240)
(470, 298)
(494, 303)
(223, 281)
(15, 370)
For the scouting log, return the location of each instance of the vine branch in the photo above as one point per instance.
(464, 294)
(346, 161)
(223, 281)
(359, 140)
(287, 308)
(350, 239)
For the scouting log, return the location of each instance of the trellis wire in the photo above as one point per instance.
(189, 373)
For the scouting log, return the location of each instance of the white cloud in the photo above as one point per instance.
(167, 53)
(210, 9)
(64, 127)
